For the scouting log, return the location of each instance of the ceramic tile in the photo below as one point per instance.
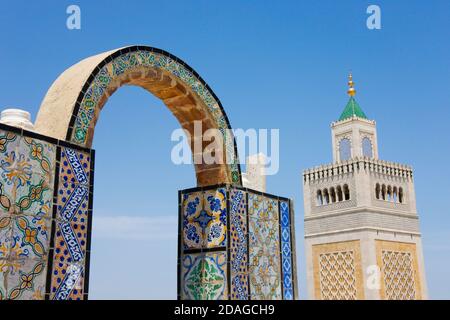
(70, 242)
(286, 251)
(263, 261)
(40, 155)
(26, 279)
(264, 233)
(3, 274)
(238, 246)
(204, 276)
(264, 287)
(239, 286)
(30, 237)
(67, 281)
(13, 172)
(35, 197)
(74, 167)
(255, 206)
(69, 256)
(6, 223)
(204, 219)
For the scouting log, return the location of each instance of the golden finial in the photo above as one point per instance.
(351, 91)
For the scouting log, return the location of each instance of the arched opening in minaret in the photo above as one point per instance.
(346, 192)
(367, 148)
(395, 195)
(319, 198)
(389, 193)
(344, 149)
(339, 192)
(326, 196)
(333, 195)
(400, 195)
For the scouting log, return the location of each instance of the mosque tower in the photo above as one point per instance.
(362, 237)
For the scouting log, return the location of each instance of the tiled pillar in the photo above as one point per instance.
(46, 190)
(235, 243)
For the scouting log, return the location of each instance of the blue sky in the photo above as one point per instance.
(277, 64)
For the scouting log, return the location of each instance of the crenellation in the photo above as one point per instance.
(374, 166)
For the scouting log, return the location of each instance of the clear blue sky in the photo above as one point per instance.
(278, 64)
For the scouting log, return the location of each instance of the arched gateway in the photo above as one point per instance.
(234, 243)
(73, 103)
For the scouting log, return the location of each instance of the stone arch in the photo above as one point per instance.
(73, 103)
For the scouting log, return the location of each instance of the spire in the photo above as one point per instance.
(351, 91)
(352, 109)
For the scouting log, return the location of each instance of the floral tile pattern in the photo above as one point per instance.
(264, 255)
(32, 215)
(257, 253)
(286, 251)
(26, 171)
(30, 237)
(26, 279)
(27, 168)
(205, 219)
(204, 276)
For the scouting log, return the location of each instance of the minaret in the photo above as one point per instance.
(362, 237)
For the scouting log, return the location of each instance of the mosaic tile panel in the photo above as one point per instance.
(286, 251)
(204, 276)
(71, 225)
(264, 255)
(27, 167)
(238, 245)
(205, 219)
(26, 175)
(257, 251)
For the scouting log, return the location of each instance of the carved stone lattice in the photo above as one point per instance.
(337, 275)
(398, 275)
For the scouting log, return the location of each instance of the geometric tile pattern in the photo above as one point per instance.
(26, 190)
(44, 217)
(337, 271)
(337, 275)
(72, 217)
(148, 57)
(399, 270)
(286, 251)
(238, 245)
(256, 255)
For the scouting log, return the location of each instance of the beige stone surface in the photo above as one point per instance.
(349, 276)
(400, 277)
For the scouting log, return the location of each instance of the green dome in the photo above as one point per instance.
(352, 109)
